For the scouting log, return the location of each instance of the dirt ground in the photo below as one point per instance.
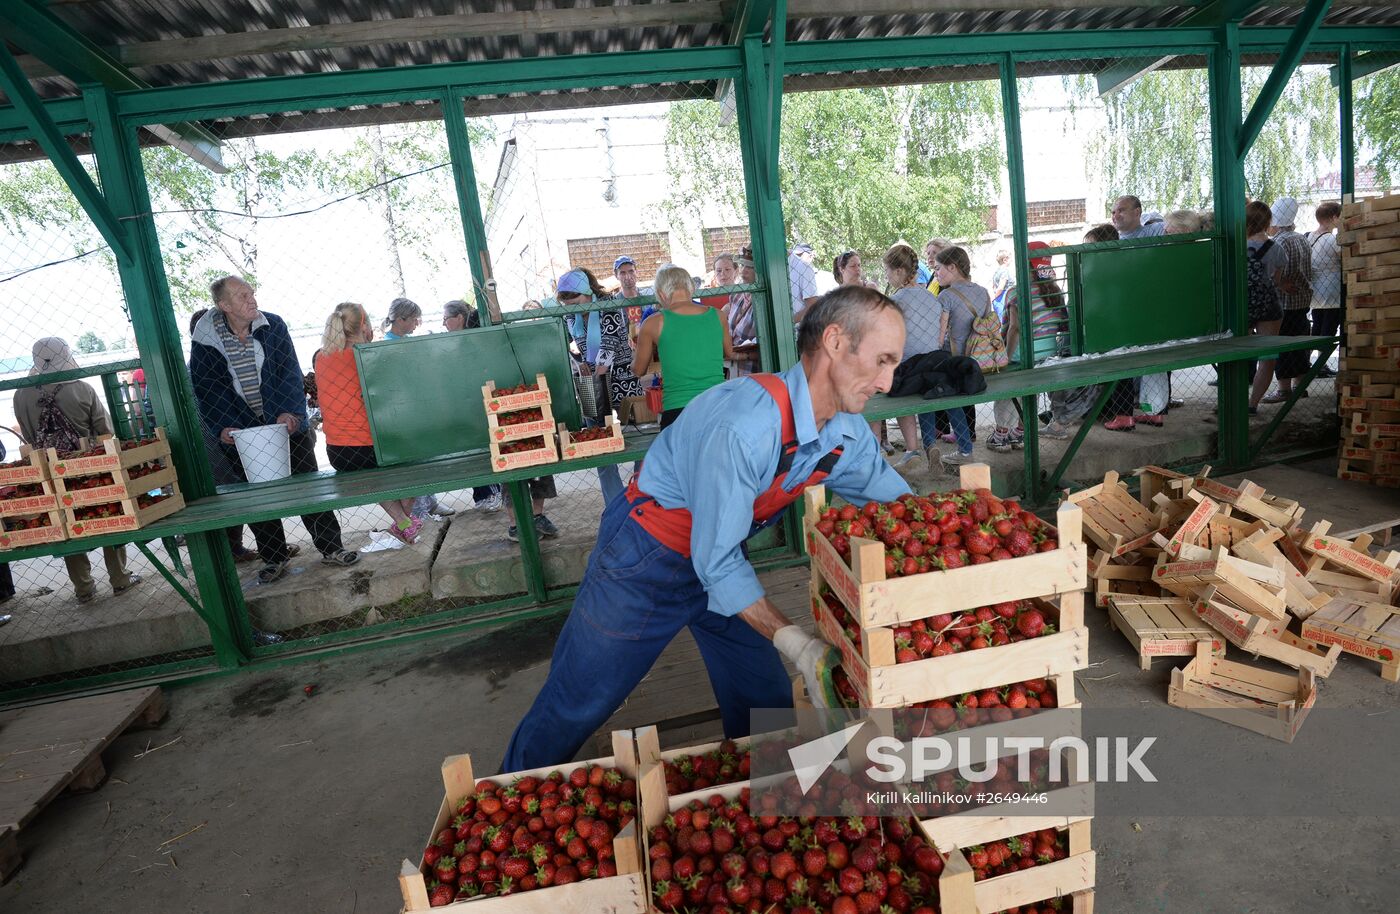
(255, 797)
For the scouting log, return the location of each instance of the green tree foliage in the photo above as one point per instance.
(1376, 106)
(90, 342)
(859, 168)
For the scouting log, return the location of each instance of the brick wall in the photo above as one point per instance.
(597, 254)
(724, 240)
(1055, 212)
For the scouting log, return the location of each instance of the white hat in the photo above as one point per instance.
(52, 354)
(1285, 211)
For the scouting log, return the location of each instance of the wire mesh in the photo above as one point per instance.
(1297, 158)
(63, 616)
(1376, 111)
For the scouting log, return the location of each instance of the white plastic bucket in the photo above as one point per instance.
(265, 452)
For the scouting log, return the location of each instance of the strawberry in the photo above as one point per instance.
(1031, 623)
(442, 895)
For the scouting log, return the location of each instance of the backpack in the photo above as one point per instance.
(1263, 297)
(55, 429)
(985, 344)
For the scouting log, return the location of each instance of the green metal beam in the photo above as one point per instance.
(1365, 65)
(17, 87)
(75, 374)
(1016, 179)
(1345, 95)
(1299, 388)
(1273, 88)
(62, 47)
(469, 206)
(1218, 12)
(1232, 395)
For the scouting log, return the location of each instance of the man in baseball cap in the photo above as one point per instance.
(802, 279)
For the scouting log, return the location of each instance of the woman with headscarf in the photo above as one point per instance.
(75, 407)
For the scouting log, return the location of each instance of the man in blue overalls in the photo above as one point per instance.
(670, 549)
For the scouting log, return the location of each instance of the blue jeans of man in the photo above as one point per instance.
(957, 419)
(636, 595)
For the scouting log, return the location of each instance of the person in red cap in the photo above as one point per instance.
(1049, 320)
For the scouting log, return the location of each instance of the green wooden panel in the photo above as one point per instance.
(423, 394)
(1143, 296)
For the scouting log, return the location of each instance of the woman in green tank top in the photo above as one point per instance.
(691, 340)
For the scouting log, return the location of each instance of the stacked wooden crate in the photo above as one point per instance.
(29, 514)
(116, 486)
(863, 613)
(1369, 237)
(520, 425)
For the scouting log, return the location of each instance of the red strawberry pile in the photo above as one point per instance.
(145, 469)
(145, 501)
(521, 416)
(1001, 705)
(524, 444)
(517, 389)
(591, 434)
(133, 445)
(14, 464)
(534, 833)
(95, 481)
(953, 633)
(33, 522)
(90, 452)
(1053, 906)
(715, 856)
(1019, 852)
(92, 512)
(23, 490)
(939, 532)
(725, 764)
(1004, 782)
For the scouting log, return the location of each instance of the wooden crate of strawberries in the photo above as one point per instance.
(470, 864)
(520, 425)
(883, 584)
(32, 530)
(121, 516)
(591, 442)
(31, 467)
(122, 484)
(28, 498)
(985, 853)
(109, 455)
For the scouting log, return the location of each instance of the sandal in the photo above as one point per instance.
(342, 557)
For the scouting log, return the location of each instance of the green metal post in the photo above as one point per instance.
(168, 383)
(1229, 190)
(533, 564)
(753, 97)
(1344, 92)
(1020, 238)
(115, 392)
(469, 206)
(1273, 87)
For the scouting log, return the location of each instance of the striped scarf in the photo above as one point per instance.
(244, 362)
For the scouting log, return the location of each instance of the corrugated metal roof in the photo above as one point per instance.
(140, 31)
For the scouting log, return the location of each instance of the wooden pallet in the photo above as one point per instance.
(624, 893)
(1271, 704)
(1364, 629)
(1113, 520)
(1160, 627)
(47, 749)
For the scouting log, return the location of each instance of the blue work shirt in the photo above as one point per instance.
(722, 453)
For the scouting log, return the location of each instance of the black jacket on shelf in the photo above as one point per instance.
(937, 374)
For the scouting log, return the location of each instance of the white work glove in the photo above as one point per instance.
(814, 659)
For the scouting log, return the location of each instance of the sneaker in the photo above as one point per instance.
(906, 458)
(1120, 424)
(131, 581)
(888, 449)
(1018, 438)
(1277, 396)
(443, 511)
(263, 639)
(492, 504)
(513, 533)
(1326, 373)
(1055, 431)
(1046, 417)
(957, 458)
(1152, 419)
(948, 437)
(1000, 441)
(1175, 403)
(545, 527)
(272, 571)
(342, 557)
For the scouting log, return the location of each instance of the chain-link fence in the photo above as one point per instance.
(83, 614)
(1294, 167)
